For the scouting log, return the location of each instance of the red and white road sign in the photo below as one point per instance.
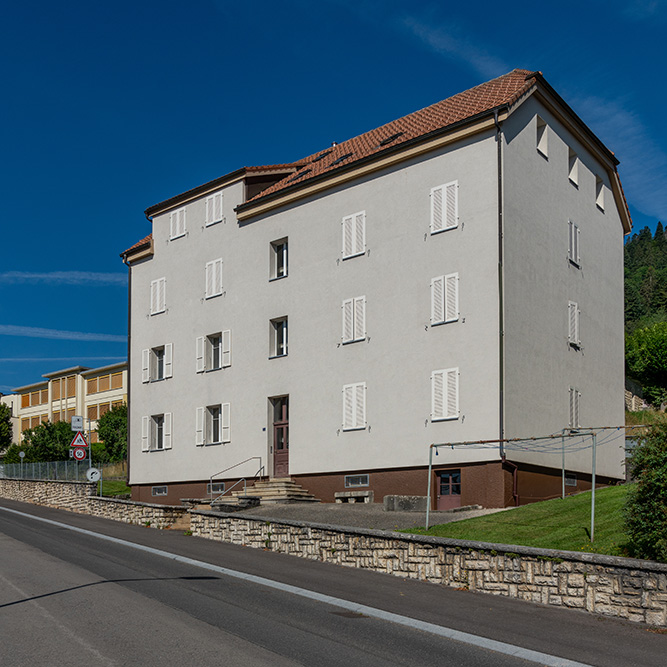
(79, 453)
(79, 441)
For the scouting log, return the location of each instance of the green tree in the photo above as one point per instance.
(45, 442)
(646, 360)
(646, 504)
(112, 431)
(5, 426)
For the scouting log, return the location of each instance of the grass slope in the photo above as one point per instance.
(552, 524)
(113, 487)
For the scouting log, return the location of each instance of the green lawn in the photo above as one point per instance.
(113, 487)
(552, 524)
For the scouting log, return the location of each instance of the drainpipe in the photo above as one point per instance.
(515, 480)
(501, 317)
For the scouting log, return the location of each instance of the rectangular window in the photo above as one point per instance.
(278, 267)
(354, 319)
(573, 243)
(91, 386)
(25, 424)
(156, 432)
(92, 412)
(157, 363)
(542, 138)
(570, 479)
(445, 394)
(177, 223)
(159, 490)
(158, 296)
(279, 337)
(573, 324)
(214, 352)
(213, 425)
(573, 167)
(445, 299)
(354, 235)
(599, 193)
(444, 207)
(354, 406)
(214, 209)
(574, 407)
(214, 278)
(353, 481)
(117, 381)
(215, 487)
(25, 400)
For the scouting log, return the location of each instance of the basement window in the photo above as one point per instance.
(570, 479)
(159, 490)
(215, 487)
(354, 481)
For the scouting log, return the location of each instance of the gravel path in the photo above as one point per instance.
(359, 515)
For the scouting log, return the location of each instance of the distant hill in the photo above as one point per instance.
(645, 279)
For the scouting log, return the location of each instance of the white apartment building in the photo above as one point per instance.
(455, 275)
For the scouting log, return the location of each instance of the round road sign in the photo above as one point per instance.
(79, 453)
(93, 475)
(22, 454)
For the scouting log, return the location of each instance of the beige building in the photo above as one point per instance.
(88, 392)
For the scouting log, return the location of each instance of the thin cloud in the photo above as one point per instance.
(47, 359)
(643, 167)
(64, 278)
(56, 334)
(642, 10)
(444, 42)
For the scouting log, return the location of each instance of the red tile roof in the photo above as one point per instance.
(145, 241)
(503, 91)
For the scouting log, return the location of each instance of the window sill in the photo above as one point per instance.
(356, 254)
(444, 229)
(212, 370)
(443, 419)
(275, 278)
(212, 296)
(354, 340)
(575, 264)
(180, 236)
(278, 356)
(215, 222)
(439, 324)
(158, 312)
(355, 428)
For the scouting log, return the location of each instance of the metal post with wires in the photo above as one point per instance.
(562, 481)
(593, 489)
(428, 488)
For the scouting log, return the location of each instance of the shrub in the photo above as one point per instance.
(646, 505)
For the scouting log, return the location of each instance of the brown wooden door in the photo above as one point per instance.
(281, 437)
(449, 489)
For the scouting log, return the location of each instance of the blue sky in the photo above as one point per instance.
(111, 107)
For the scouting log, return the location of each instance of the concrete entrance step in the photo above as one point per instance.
(278, 490)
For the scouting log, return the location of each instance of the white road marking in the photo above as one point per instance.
(439, 630)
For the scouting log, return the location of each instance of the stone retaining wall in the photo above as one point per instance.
(606, 585)
(78, 497)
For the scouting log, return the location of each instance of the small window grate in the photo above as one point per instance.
(341, 159)
(391, 139)
(570, 479)
(352, 481)
(301, 174)
(322, 156)
(159, 491)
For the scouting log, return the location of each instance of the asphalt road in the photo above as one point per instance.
(74, 598)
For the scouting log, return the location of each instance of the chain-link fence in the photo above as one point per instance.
(73, 471)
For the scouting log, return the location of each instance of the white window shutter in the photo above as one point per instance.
(166, 431)
(217, 281)
(173, 224)
(576, 245)
(348, 320)
(452, 393)
(573, 243)
(451, 205)
(348, 237)
(145, 434)
(226, 348)
(574, 407)
(218, 207)
(451, 297)
(348, 406)
(438, 300)
(168, 360)
(199, 425)
(145, 365)
(573, 323)
(154, 291)
(225, 416)
(209, 210)
(360, 318)
(360, 232)
(437, 395)
(160, 299)
(437, 217)
(360, 406)
(200, 359)
(181, 222)
(209, 279)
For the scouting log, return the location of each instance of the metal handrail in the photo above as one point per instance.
(243, 479)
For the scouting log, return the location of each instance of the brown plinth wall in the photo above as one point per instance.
(490, 484)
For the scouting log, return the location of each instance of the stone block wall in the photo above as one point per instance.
(606, 585)
(78, 497)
